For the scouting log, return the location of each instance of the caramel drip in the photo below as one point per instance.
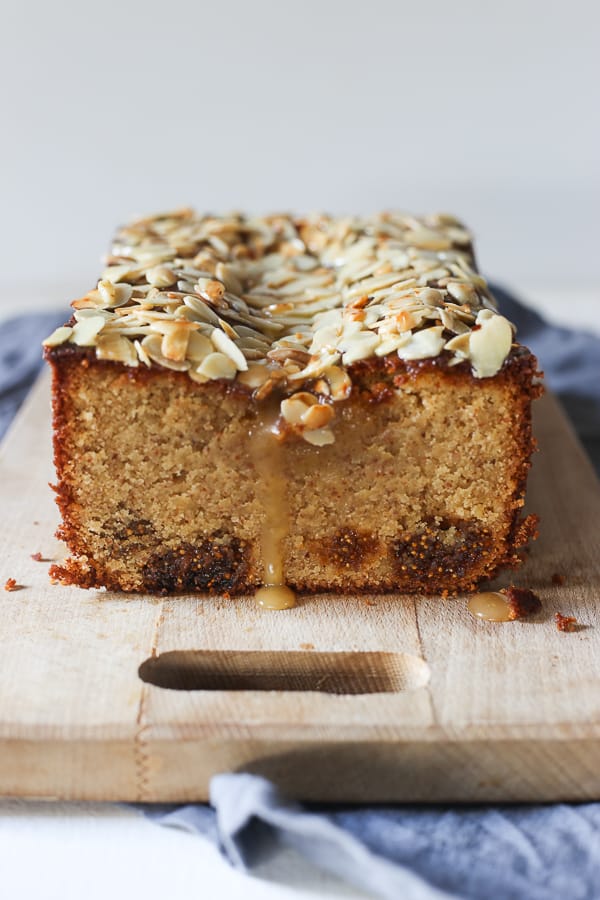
(271, 488)
(275, 596)
(491, 606)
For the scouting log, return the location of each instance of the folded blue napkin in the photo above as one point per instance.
(526, 852)
(542, 852)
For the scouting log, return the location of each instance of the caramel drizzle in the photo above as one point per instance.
(490, 605)
(267, 455)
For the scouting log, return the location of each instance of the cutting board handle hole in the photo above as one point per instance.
(281, 670)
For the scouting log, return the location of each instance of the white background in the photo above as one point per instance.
(488, 110)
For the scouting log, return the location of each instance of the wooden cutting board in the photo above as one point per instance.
(383, 698)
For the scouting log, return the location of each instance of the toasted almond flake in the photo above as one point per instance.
(92, 300)
(317, 416)
(199, 346)
(203, 312)
(80, 314)
(358, 346)
(217, 365)
(393, 343)
(143, 356)
(452, 323)
(322, 387)
(320, 437)
(122, 272)
(58, 336)
(196, 376)
(152, 344)
(229, 331)
(294, 408)
(209, 288)
(423, 344)
(459, 344)
(224, 343)
(427, 239)
(490, 344)
(107, 291)
(161, 276)
(228, 276)
(220, 246)
(339, 382)
(431, 297)
(111, 295)
(254, 377)
(248, 343)
(175, 343)
(85, 332)
(328, 356)
(116, 348)
(463, 293)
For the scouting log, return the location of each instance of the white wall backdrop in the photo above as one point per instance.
(490, 110)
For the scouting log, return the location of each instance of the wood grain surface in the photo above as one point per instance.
(377, 698)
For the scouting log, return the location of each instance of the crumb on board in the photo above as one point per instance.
(11, 585)
(557, 578)
(37, 557)
(370, 602)
(521, 602)
(307, 646)
(565, 623)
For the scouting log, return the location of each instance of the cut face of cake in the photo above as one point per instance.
(331, 404)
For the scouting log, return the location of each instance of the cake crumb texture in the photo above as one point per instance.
(422, 490)
(565, 623)
(522, 602)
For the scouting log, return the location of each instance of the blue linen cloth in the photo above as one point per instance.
(527, 852)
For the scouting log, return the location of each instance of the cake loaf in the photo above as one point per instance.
(331, 404)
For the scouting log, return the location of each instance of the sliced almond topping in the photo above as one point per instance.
(423, 344)
(319, 438)
(339, 382)
(317, 416)
(117, 348)
(58, 336)
(224, 343)
(426, 239)
(463, 293)
(490, 344)
(152, 345)
(199, 346)
(459, 345)
(210, 289)
(228, 276)
(309, 297)
(161, 276)
(174, 344)
(113, 295)
(143, 356)
(254, 377)
(85, 332)
(295, 407)
(123, 272)
(358, 346)
(217, 365)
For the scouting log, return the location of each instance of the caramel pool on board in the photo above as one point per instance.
(491, 606)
